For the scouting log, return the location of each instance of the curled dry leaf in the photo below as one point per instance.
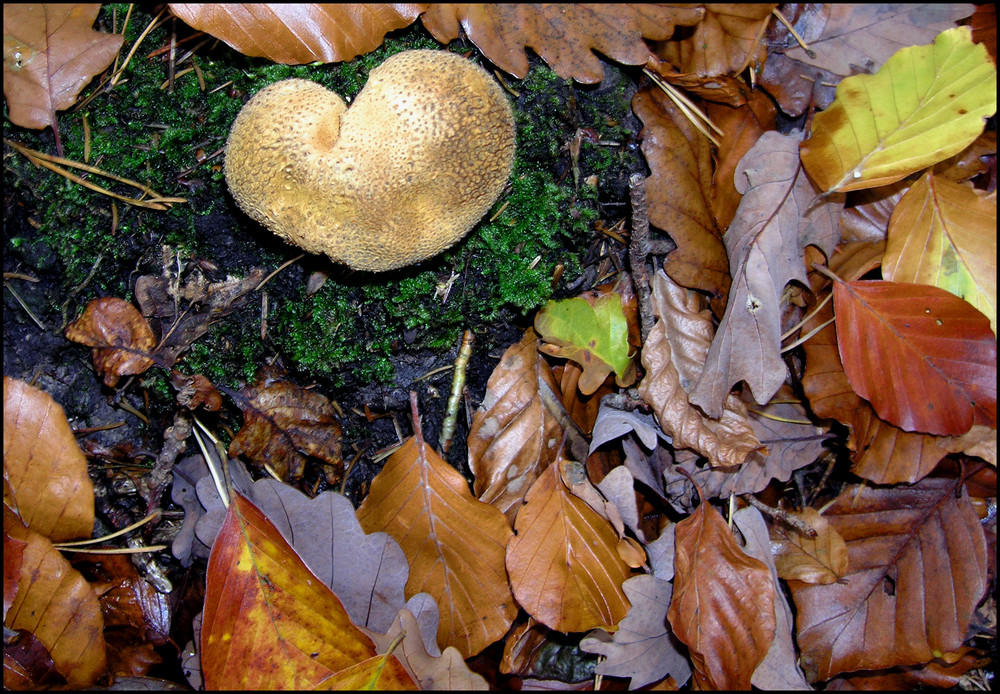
(57, 605)
(727, 40)
(295, 34)
(821, 559)
(723, 604)
(564, 36)
(120, 336)
(917, 569)
(45, 472)
(672, 357)
(454, 543)
(284, 425)
(563, 563)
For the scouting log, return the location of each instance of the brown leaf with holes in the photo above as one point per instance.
(120, 336)
(455, 544)
(44, 470)
(917, 569)
(563, 563)
(50, 53)
(673, 357)
(821, 559)
(517, 430)
(679, 193)
(723, 604)
(565, 36)
(727, 40)
(295, 34)
(285, 425)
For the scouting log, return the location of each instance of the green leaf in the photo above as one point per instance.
(595, 335)
(925, 104)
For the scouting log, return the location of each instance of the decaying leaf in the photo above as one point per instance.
(592, 333)
(56, 604)
(295, 34)
(725, 41)
(455, 544)
(284, 425)
(120, 336)
(936, 350)
(723, 604)
(563, 563)
(925, 104)
(821, 559)
(45, 472)
(917, 569)
(50, 53)
(945, 234)
(269, 623)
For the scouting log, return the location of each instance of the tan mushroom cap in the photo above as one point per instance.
(419, 157)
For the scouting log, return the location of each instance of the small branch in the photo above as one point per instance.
(780, 514)
(457, 383)
(638, 250)
(801, 41)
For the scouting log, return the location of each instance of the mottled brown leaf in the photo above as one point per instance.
(797, 86)
(727, 40)
(120, 336)
(917, 569)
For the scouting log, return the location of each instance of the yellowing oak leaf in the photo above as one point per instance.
(926, 104)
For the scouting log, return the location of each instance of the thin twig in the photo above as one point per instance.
(791, 331)
(155, 515)
(780, 514)
(457, 383)
(27, 310)
(793, 345)
(687, 107)
(801, 41)
(135, 46)
(638, 250)
(281, 267)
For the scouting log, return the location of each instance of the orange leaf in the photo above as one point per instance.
(723, 604)
(57, 605)
(563, 564)
(924, 359)
(454, 543)
(45, 472)
(726, 40)
(269, 623)
(378, 673)
(120, 336)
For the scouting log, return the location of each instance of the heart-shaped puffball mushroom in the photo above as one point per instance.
(419, 157)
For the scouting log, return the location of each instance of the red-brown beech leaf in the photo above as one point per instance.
(298, 33)
(774, 223)
(917, 569)
(723, 605)
(269, 623)
(563, 35)
(563, 563)
(925, 359)
(120, 336)
(50, 53)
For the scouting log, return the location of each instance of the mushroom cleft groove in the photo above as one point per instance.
(420, 156)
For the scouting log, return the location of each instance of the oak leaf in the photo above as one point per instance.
(917, 559)
(120, 336)
(727, 40)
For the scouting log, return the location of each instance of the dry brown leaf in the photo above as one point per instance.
(120, 336)
(563, 563)
(679, 192)
(564, 36)
(57, 605)
(820, 559)
(866, 218)
(284, 425)
(720, 89)
(50, 53)
(725, 41)
(723, 604)
(455, 544)
(517, 429)
(295, 34)
(45, 472)
(917, 569)
(673, 357)
(984, 28)
(797, 87)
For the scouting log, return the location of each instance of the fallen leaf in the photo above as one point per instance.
(936, 350)
(797, 87)
(50, 53)
(725, 41)
(295, 34)
(564, 36)
(285, 425)
(775, 221)
(45, 472)
(723, 604)
(944, 234)
(984, 28)
(866, 218)
(455, 544)
(926, 104)
(56, 604)
(269, 622)
(13, 555)
(196, 391)
(120, 336)
(378, 673)
(643, 648)
(817, 560)
(563, 563)
(917, 561)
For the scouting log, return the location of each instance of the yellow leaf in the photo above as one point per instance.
(945, 234)
(924, 105)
